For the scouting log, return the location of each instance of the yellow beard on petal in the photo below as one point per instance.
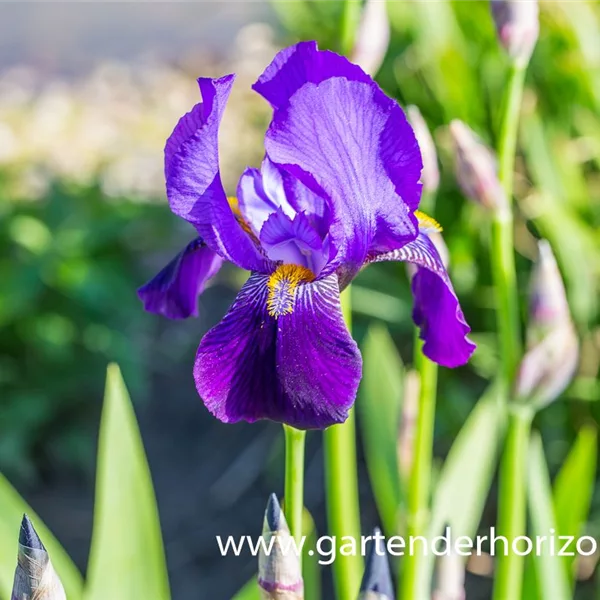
(235, 209)
(282, 286)
(427, 224)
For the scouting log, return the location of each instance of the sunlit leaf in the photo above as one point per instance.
(550, 581)
(379, 406)
(573, 488)
(127, 557)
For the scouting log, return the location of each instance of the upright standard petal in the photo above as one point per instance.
(282, 353)
(174, 292)
(341, 136)
(436, 311)
(194, 185)
(296, 65)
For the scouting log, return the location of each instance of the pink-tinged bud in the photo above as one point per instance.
(373, 37)
(430, 176)
(476, 168)
(548, 304)
(450, 576)
(35, 577)
(553, 348)
(518, 27)
(279, 576)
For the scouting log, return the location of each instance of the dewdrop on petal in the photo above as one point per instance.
(430, 175)
(373, 37)
(377, 581)
(35, 578)
(279, 576)
(476, 170)
(518, 27)
(552, 356)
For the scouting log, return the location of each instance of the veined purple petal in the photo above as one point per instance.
(300, 367)
(348, 142)
(436, 311)
(294, 241)
(296, 65)
(194, 185)
(261, 193)
(174, 292)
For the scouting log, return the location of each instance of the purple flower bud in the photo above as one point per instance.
(373, 37)
(476, 169)
(377, 581)
(279, 576)
(430, 175)
(548, 304)
(553, 348)
(518, 27)
(35, 578)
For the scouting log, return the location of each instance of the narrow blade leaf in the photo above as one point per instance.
(127, 557)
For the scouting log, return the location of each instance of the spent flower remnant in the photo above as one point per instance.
(430, 177)
(553, 348)
(338, 189)
(373, 37)
(518, 27)
(35, 578)
(476, 168)
(279, 576)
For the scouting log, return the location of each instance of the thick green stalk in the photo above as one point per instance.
(507, 146)
(350, 20)
(508, 581)
(294, 479)
(512, 501)
(419, 488)
(341, 487)
(503, 257)
(507, 312)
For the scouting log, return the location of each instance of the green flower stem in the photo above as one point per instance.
(350, 20)
(294, 479)
(507, 312)
(512, 503)
(509, 128)
(341, 487)
(513, 466)
(503, 259)
(419, 487)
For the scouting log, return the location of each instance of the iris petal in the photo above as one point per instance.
(194, 185)
(436, 311)
(296, 65)
(342, 137)
(301, 368)
(174, 292)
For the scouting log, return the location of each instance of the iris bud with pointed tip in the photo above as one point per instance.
(279, 576)
(476, 168)
(553, 348)
(430, 175)
(373, 37)
(518, 27)
(35, 578)
(377, 581)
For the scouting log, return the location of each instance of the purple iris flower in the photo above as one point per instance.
(338, 189)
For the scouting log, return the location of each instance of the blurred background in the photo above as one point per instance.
(89, 93)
